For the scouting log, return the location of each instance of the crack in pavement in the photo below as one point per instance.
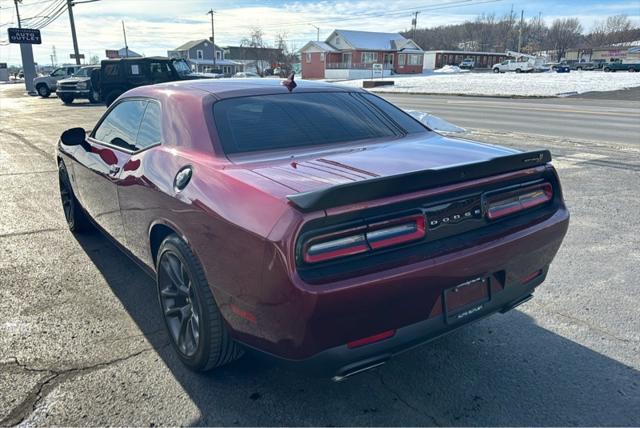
(29, 143)
(402, 400)
(40, 391)
(31, 232)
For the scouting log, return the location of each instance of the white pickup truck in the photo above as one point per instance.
(45, 85)
(512, 65)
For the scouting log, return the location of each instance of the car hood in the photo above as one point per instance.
(74, 80)
(304, 172)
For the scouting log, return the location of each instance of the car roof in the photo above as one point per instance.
(232, 88)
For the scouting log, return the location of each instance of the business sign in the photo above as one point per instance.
(377, 69)
(112, 53)
(24, 35)
(73, 56)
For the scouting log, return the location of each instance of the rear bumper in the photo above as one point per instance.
(310, 325)
(341, 362)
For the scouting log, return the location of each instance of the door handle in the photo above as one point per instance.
(114, 169)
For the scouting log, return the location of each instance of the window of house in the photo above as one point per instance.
(337, 40)
(369, 57)
(401, 59)
(414, 59)
(322, 57)
(199, 54)
(218, 55)
(308, 58)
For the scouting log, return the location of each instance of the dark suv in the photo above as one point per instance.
(119, 75)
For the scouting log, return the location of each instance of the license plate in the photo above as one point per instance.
(466, 299)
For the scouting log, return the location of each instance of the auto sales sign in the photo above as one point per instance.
(24, 35)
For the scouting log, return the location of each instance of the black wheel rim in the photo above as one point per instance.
(180, 305)
(67, 198)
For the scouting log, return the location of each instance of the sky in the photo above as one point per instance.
(154, 26)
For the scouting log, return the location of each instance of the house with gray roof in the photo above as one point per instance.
(348, 54)
(199, 54)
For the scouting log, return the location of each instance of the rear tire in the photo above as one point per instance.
(111, 97)
(496, 70)
(518, 70)
(43, 90)
(194, 323)
(607, 69)
(77, 219)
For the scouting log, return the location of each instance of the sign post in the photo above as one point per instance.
(375, 69)
(26, 37)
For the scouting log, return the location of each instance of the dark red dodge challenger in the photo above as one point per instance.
(318, 224)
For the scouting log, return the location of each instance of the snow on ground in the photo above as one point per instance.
(434, 122)
(509, 84)
(450, 69)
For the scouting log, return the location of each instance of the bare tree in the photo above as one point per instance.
(617, 28)
(256, 49)
(94, 59)
(563, 34)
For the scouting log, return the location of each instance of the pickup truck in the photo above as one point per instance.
(45, 85)
(512, 65)
(621, 66)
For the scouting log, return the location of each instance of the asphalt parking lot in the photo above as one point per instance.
(82, 340)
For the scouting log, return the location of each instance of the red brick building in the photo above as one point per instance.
(350, 54)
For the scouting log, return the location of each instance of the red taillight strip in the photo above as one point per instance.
(371, 339)
(405, 230)
(512, 202)
(377, 235)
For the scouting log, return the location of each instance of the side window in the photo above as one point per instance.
(151, 127)
(160, 71)
(59, 72)
(71, 70)
(110, 71)
(120, 127)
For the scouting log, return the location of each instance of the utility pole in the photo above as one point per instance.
(18, 12)
(213, 38)
(76, 51)
(126, 47)
(414, 24)
(520, 30)
(26, 54)
(317, 32)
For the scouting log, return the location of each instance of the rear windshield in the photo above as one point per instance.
(269, 122)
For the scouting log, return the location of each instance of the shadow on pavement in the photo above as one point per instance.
(505, 370)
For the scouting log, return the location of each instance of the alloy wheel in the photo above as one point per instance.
(180, 305)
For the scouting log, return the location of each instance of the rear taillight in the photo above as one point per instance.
(512, 202)
(364, 239)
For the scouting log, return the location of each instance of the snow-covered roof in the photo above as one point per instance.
(323, 46)
(370, 40)
(210, 62)
(192, 44)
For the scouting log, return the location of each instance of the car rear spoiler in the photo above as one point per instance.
(380, 187)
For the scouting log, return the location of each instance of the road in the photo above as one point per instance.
(82, 340)
(574, 118)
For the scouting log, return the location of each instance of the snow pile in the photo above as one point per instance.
(450, 69)
(508, 84)
(435, 122)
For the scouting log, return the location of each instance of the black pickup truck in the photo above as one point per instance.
(119, 75)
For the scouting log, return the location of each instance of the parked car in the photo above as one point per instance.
(562, 68)
(319, 224)
(119, 75)
(512, 65)
(45, 85)
(578, 65)
(245, 74)
(621, 66)
(467, 63)
(83, 84)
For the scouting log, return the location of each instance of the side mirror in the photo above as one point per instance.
(73, 137)
(434, 122)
